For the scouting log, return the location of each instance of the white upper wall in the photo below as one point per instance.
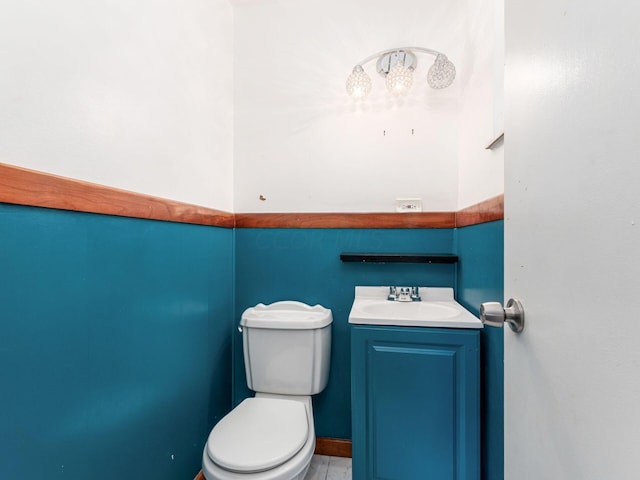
(140, 96)
(299, 139)
(481, 171)
(131, 94)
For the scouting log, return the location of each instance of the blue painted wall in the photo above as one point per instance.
(114, 344)
(481, 279)
(304, 265)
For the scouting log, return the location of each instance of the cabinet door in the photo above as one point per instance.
(416, 407)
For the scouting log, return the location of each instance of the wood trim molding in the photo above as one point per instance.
(346, 220)
(333, 447)
(200, 476)
(29, 187)
(487, 211)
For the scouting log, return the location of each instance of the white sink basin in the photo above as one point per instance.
(437, 309)
(417, 310)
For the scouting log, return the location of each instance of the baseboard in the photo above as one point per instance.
(333, 447)
(200, 476)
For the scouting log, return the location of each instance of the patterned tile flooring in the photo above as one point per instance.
(329, 468)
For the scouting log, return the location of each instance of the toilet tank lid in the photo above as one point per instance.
(286, 315)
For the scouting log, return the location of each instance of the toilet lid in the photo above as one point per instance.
(259, 434)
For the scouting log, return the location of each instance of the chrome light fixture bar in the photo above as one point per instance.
(397, 66)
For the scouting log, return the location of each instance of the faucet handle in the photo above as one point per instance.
(415, 294)
(393, 295)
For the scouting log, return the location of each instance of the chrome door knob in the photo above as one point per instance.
(492, 314)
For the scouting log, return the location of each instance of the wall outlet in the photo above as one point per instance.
(405, 205)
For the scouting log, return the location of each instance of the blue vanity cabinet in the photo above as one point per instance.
(415, 396)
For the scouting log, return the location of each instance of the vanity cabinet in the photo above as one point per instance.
(415, 396)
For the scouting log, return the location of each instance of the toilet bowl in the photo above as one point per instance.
(271, 436)
(284, 460)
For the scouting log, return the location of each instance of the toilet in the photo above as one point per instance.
(271, 436)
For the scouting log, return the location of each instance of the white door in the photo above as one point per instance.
(572, 239)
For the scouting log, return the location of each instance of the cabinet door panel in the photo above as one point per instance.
(415, 402)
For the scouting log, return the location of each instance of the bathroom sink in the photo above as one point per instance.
(438, 308)
(409, 310)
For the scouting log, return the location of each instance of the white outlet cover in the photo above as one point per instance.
(405, 205)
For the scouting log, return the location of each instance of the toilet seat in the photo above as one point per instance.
(258, 435)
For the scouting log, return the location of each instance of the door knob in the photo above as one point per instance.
(492, 314)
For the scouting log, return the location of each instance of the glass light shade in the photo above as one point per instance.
(441, 73)
(399, 79)
(358, 83)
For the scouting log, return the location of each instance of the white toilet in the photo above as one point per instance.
(271, 436)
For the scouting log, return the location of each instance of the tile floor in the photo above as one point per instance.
(329, 468)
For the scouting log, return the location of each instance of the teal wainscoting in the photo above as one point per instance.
(304, 265)
(114, 344)
(481, 279)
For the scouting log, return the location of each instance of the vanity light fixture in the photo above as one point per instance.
(397, 66)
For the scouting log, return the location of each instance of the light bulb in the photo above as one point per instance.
(399, 79)
(441, 73)
(358, 83)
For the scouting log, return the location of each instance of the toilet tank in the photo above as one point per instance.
(287, 347)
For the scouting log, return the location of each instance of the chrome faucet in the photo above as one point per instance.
(404, 294)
